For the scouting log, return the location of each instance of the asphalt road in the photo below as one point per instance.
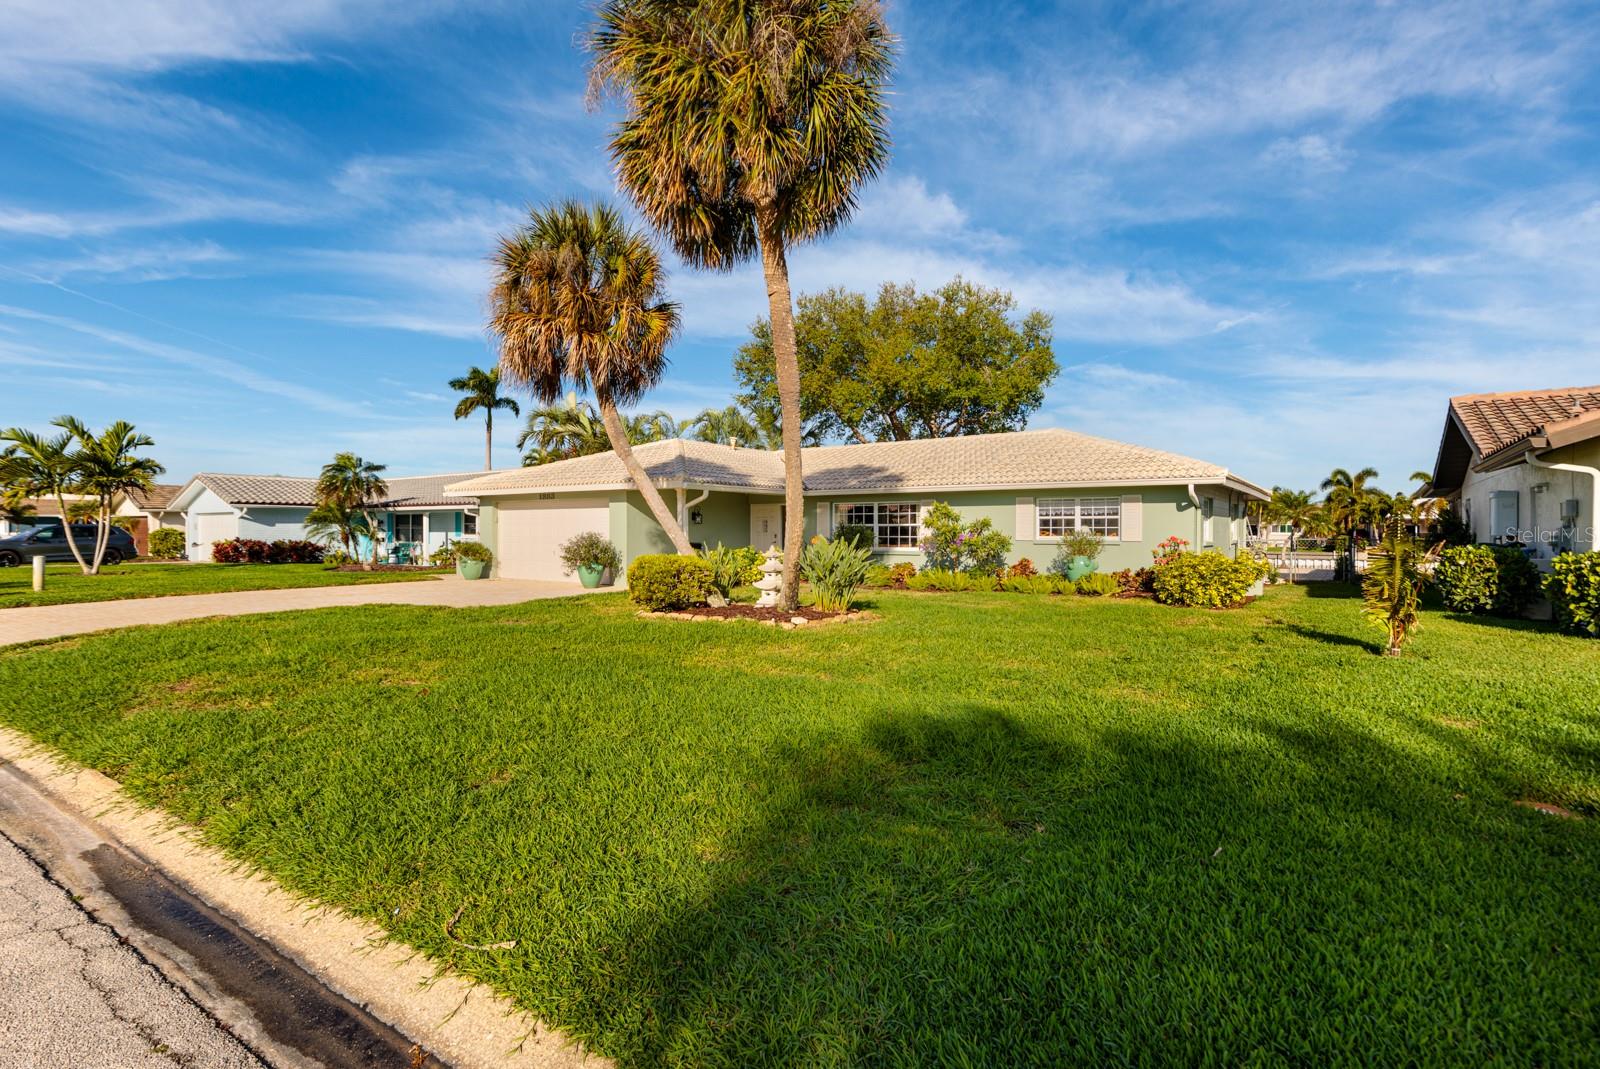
(73, 994)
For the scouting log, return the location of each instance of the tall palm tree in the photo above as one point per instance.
(483, 392)
(578, 301)
(1295, 510)
(1349, 497)
(357, 485)
(34, 465)
(748, 128)
(725, 425)
(108, 465)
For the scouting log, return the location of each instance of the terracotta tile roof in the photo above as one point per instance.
(156, 498)
(1494, 421)
(1015, 459)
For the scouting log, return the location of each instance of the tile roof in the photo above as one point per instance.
(156, 498)
(1014, 459)
(1495, 421)
(405, 491)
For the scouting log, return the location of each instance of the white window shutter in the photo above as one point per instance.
(922, 514)
(1026, 531)
(825, 520)
(1132, 518)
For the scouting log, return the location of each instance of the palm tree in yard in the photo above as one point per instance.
(655, 426)
(1392, 589)
(748, 128)
(578, 301)
(355, 485)
(108, 465)
(482, 389)
(334, 521)
(34, 465)
(1295, 510)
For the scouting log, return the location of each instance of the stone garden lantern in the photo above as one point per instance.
(771, 581)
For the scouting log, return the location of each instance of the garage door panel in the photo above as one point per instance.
(210, 527)
(531, 533)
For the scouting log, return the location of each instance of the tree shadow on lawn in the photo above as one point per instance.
(964, 889)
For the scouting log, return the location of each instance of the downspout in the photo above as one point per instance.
(1194, 499)
(1594, 483)
(685, 506)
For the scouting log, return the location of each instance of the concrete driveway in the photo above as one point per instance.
(53, 621)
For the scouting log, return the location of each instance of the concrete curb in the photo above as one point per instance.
(460, 1020)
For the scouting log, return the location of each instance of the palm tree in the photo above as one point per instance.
(107, 466)
(562, 431)
(1295, 510)
(483, 391)
(657, 426)
(33, 465)
(355, 485)
(578, 300)
(726, 425)
(334, 521)
(748, 128)
(1392, 589)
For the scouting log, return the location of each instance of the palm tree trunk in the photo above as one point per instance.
(102, 535)
(647, 489)
(488, 441)
(780, 306)
(372, 541)
(66, 529)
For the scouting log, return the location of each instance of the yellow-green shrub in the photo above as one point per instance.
(662, 582)
(1573, 587)
(1207, 580)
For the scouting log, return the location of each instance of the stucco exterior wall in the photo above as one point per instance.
(274, 523)
(1538, 510)
(207, 503)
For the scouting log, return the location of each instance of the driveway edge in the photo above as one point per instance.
(462, 1021)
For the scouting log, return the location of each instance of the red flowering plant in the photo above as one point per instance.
(1169, 550)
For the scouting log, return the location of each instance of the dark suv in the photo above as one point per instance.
(49, 540)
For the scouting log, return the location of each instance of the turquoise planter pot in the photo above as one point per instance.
(590, 574)
(470, 569)
(1080, 567)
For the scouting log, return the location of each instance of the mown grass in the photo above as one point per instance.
(983, 830)
(66, 583)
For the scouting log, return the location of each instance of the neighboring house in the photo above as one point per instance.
(38, 507)
(147, 510)
(1033, 485)
(1523, 467)
(219, 507)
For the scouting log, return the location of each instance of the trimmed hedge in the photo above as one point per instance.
(167, 543)
(1207, 580)
(1486, 579)
(255, 551)
(663, 582)
(1573, 587)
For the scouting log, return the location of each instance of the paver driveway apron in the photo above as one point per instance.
(53, 621)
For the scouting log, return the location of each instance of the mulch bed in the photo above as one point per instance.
(803, 616)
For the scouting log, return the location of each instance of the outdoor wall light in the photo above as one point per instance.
(696, 516)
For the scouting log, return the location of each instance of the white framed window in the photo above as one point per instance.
(408, 527)
(1056, 516)
(895, 524)
(469, 523)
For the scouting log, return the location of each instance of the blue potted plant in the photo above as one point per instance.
(1077, 556)
(591, 556)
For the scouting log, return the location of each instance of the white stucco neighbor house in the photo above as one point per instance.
(143, 511)
(1523, 467)
(1033, 485)
(217, 507)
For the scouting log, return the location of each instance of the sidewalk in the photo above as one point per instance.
(53, 621)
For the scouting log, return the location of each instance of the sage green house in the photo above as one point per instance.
(1033, 485)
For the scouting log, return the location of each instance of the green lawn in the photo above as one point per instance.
(984, 830)
(66, 583)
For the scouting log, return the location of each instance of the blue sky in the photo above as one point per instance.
(1273, 236)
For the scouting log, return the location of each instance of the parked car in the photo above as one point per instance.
(49, 540)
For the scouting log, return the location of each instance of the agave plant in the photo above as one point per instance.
(1392, 589)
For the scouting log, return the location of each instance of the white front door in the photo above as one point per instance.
(212, 527)
(766, 526)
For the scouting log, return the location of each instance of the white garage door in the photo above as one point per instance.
(531, 533)
(211, 527)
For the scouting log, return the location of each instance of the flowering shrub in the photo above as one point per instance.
(1573, 587)
(951, 546)
(241, 551)
(1169, 549)
(294, 551)
(1208, 580)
